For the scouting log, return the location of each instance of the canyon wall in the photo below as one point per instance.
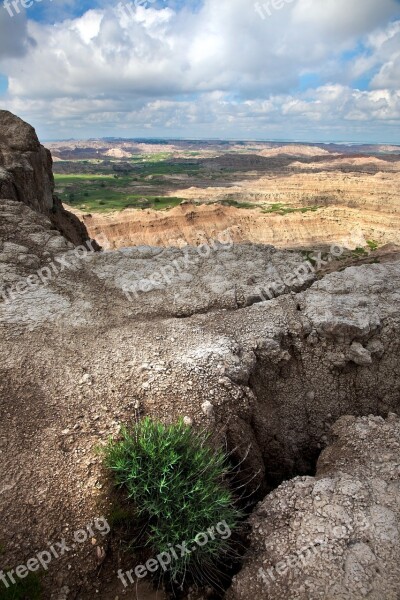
(190, 223)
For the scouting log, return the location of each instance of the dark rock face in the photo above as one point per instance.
(26, 176)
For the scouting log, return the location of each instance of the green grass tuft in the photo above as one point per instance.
(177, 483)
(25, 589)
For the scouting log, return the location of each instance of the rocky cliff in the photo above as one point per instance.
(90, 340)
(26, 176)
(351, 227)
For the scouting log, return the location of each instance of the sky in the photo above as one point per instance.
(300, 70)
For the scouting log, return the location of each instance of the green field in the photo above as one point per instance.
(103, 193)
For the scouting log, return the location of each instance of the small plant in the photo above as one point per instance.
(177, 483)
(372, 245)
(24, 589)
(359, 252)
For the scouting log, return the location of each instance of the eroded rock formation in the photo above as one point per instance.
(100, 338)
(334, 536)
(26, 176)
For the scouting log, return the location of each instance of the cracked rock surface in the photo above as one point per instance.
(79, 357)
(335, 535)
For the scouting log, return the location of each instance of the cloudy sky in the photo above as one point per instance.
(311, 70)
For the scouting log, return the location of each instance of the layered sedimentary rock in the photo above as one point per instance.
(335, 535)
(189, 223)
(80, 357)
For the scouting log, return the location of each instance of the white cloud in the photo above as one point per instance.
(218, 69)
(343, 19)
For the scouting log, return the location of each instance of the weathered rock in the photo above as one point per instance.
(266, 369)
(26, 176)
(336, 535)
(359, 355)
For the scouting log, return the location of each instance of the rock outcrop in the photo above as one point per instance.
(337, 535)
(26, 176)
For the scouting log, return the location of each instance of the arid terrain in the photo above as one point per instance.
(291, 196)
(289, 359)
(200, 300)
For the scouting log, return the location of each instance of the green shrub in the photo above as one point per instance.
(177, 483)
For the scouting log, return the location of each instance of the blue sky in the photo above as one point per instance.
(312, 70)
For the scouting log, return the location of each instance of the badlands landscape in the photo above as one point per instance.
(168, 193)
(199, 300)
(281, 339)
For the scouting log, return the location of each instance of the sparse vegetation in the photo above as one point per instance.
(239, 203)
(373, 246)
(178, 485)
(358, 252)
(283, 209)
